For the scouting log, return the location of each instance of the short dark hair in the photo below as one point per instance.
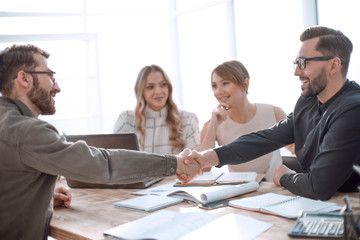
(331, 43)
(15, 58)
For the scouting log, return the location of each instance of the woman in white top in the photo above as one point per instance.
(236, 116)
(156, 120)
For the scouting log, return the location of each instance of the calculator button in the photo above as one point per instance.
(308, 227)
(323, 227)
(332, 229)
(341, 229)
(298, 227)
(315, 229)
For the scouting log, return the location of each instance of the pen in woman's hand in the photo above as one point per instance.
(226, 108)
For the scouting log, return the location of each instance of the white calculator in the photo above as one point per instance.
(318, 225)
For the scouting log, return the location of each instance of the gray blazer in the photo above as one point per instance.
(33, 154)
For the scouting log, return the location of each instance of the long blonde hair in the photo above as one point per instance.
(173, 119)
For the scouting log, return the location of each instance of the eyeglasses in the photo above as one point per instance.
(301, 62)
(51, 74)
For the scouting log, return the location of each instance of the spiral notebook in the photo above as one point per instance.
(282, 205)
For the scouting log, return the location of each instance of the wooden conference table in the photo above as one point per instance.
(92, 212)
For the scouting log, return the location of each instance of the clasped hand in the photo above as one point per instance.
(62, 197)
(190, 164)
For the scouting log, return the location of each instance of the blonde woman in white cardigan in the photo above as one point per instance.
(160, 126)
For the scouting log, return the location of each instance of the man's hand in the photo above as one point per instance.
(205, 159)
(279, 172)
(186, 172)
(62, 197)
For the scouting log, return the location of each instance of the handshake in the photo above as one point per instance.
(190, 163)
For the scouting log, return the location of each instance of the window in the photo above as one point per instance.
(267, 34)
(98, 47)
(344, 17)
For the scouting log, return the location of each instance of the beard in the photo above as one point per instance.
(41, 98)
(316, 86)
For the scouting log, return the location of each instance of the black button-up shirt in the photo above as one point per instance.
(327, 144)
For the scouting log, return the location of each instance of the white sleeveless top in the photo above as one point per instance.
(229, 130)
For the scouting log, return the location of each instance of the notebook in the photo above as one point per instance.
(220, 178)
(200, 194)
(109, 141)
(148, 203)
(282, 205)
(204, 195)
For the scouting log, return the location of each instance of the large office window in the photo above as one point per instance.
(59, 30)
(267, 43)
(344, 16)
(262, 40)
(98, 47)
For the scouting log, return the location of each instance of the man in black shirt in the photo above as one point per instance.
(324, 125)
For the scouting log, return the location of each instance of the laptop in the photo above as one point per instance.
(109, 141)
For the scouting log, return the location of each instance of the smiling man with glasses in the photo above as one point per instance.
(324, 124)
(301, 62)
(51, 74)
(33, 153)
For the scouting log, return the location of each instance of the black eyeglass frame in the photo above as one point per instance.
(301, 62)
(51, 74)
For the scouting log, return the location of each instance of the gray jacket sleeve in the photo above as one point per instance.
(51, 154)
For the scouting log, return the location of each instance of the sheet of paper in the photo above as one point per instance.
(230, 227)
(161, 225)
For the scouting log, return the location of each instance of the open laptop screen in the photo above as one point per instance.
(109, 141)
